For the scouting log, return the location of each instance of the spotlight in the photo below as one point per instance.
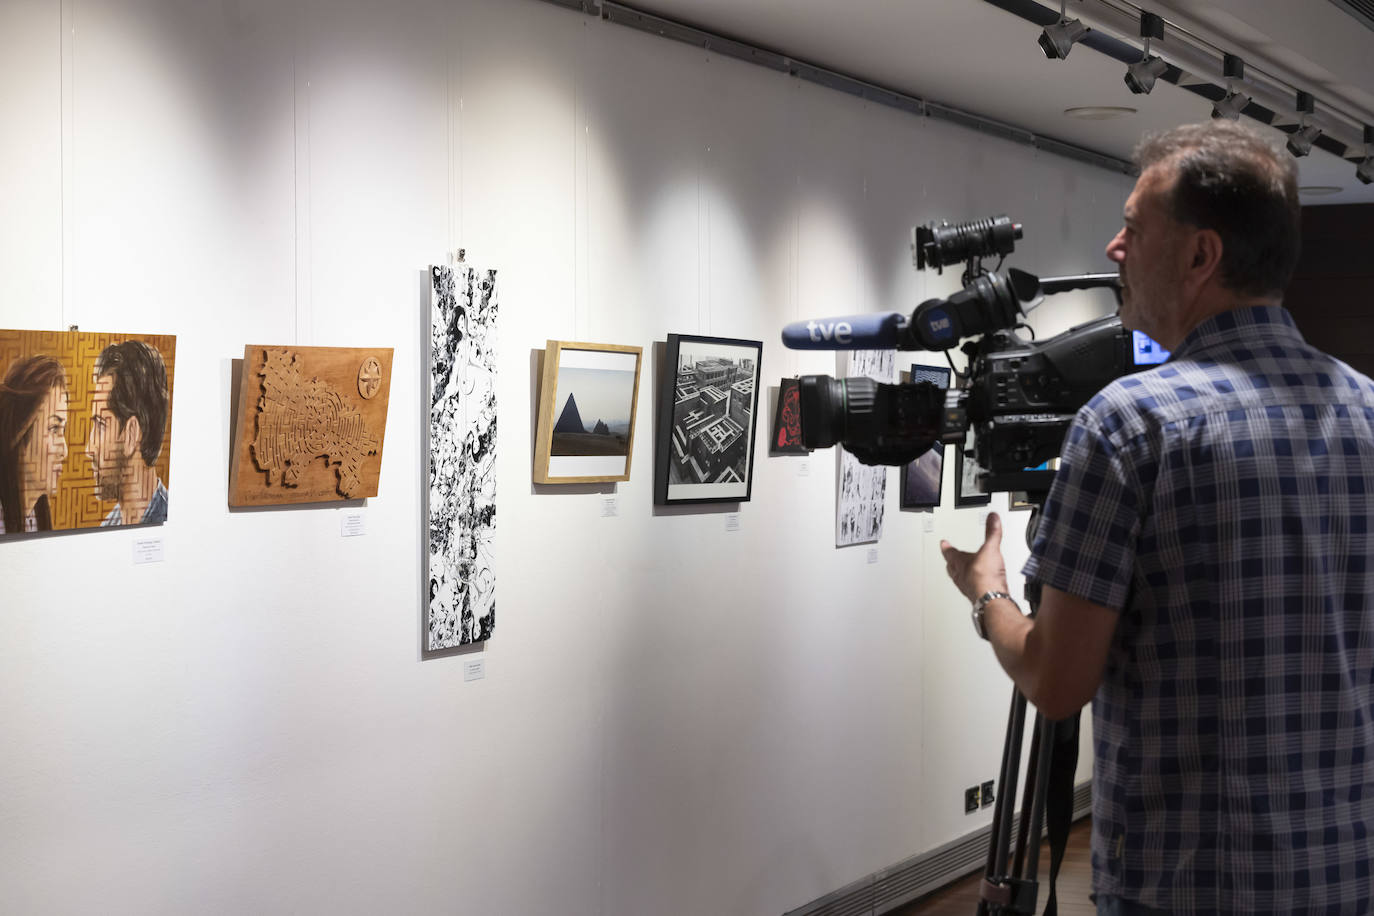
(1365, 170)
(1141, 75)
(1058, 39)
(1300, 143)
(1231, 106)
(1233, 68)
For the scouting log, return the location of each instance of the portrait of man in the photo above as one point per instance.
(129, 410)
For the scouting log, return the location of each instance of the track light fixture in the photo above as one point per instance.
(1058, 39)
(1300, 143)
(1141, 75)
(1365, 170)
(1230, 107)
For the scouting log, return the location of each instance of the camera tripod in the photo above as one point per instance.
(1009, 885)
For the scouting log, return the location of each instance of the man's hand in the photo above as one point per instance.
(975, 574)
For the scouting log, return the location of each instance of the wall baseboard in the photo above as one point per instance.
(897, 885)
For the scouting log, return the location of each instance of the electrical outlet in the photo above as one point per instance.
(970, 799)
(986, 793)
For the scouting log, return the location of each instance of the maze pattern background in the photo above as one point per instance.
(76, 505)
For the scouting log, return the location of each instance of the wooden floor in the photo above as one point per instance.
(1075, 883)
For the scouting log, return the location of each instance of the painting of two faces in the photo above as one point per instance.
(85, 430)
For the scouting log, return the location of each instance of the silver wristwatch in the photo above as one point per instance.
(980, 605)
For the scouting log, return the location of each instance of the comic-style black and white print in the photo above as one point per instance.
(462, 457)
(862, 489)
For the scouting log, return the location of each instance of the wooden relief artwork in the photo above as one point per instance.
(85, 430)
(310, 424)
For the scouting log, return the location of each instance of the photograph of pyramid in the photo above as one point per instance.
(606, 396)
(586, 412)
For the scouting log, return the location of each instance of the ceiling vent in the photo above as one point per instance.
(1362, 10)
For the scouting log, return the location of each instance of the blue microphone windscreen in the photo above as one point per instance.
(846, 332)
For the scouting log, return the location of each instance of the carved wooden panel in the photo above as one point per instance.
(310, 424)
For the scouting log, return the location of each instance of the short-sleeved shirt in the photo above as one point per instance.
(156, 511)
(1222, 502)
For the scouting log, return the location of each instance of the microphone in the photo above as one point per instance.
(882, 331)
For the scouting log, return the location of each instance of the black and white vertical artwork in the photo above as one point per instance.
(461, 495)
(862, 489)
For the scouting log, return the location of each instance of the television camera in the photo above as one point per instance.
(1018, 395)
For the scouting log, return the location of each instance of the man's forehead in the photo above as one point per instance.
(1151, 187)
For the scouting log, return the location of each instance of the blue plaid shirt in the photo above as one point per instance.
(156, 511)
(1222, 501)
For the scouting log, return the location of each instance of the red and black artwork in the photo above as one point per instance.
(787, 421)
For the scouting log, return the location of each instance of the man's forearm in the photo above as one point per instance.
(1009, 631)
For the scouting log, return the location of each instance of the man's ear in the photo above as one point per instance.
(1206, 253)
(131, 438)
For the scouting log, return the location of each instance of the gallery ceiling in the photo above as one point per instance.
(973, 55)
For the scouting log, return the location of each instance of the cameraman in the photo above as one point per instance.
(1207, 566)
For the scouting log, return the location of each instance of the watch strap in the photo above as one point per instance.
(980, 605)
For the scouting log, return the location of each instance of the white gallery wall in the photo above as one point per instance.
(675, 717)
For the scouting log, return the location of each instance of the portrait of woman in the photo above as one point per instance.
(33, 442)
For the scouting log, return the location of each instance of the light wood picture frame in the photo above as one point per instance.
(588, 399)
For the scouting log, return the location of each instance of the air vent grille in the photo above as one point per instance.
(1363, 10)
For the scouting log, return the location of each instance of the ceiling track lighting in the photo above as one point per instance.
(1300, 142)
(1141, 75)
(1230, 107)
(1365, 170)
(1196, 64)
(1058, 40)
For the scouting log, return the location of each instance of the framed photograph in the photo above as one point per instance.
(922, 479)
(786, 436)
(586, 412)
(707, 406)
(966, 492)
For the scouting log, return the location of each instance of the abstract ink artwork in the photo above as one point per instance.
(310, 424)
(460, 499)
(862, 489)
(786, 437)
(85, 430)
(966, 489)
(586, 413)
(707, 405)
(921, 479)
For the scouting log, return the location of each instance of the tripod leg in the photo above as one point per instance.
(1045, 732)
(1028, 796)
(1000, 841)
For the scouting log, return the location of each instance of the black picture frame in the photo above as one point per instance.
(966, 492)
(922, 480)
(707, 419)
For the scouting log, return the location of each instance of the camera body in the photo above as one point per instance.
(1022, 395)
(1018, 396)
